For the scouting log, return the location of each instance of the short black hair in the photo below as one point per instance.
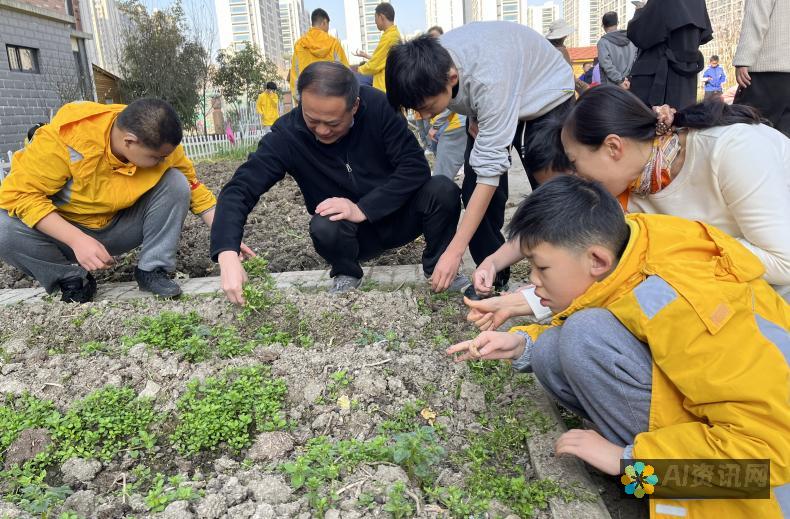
(543, 147)
(271, 85)
(435, 28)
(318, 16)
(609, 19)
(571, 213)
(328, 78)
(715, 57)
(416, 70)
(387, 10)
(153, 121)
(32, 130)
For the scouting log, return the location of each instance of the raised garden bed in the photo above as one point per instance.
(301, 405)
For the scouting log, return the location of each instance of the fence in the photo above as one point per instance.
(250, 131)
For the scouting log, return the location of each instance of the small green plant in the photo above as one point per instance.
(229, 409)
(267, 335)
(164, 491)
(103, 423)
(41, 499)
(229, 344)
(418, 452)
(405, 420)
(23, 412)
(89, 348)
(257, 268)
(174, 331)
(366, 500)
(260, 293)
(397, 503)
(338, 381)
(80, 319)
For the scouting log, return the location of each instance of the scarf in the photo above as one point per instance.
(655, 175)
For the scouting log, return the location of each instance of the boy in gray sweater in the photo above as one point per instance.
(506, 78)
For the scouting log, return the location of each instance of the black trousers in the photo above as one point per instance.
(432, 211)
(770, 94)
(488, 237)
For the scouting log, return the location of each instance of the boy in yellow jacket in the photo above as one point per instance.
(268, 106)
(316, 45)
(97, 181)
(664, 335)
(385, 21)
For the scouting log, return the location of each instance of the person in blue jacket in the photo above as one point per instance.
(714, 78)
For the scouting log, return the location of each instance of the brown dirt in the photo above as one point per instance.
(277, 228)
(391, 344)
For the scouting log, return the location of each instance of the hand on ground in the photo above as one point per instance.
(340, 209)
(591, 447)
(742, 77)
(245, 252)
(445, 271)
(91, 254)
(489, 346)
(483, 278)
(232, 276)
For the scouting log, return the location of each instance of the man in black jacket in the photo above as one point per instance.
(363, 175)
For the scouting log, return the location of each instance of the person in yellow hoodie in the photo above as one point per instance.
(268, 106)
(98, 181)
(316, 45)
(664, 335)
(385, 21)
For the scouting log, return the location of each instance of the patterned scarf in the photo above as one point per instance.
(656, 173)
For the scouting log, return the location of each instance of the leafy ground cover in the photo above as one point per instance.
(300, 405)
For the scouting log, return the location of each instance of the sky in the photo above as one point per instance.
(409, 14)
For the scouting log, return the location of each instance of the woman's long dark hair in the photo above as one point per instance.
(609, 109)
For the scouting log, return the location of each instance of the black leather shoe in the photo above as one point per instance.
(77, 290)
(157, 281)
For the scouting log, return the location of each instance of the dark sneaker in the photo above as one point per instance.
(474, 296)
(78, 290)
(342, 284)
(157, 281)
(460, 284)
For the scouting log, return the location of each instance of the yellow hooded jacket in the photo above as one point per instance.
(69, 168)
(268, 107)
(315, 45)
(375, 66)
(718, 335)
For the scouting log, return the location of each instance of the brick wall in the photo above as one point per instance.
(58, 6)
(27, 98)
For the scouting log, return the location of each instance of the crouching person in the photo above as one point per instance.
(98, 181)
(664, 335)
(362, 173)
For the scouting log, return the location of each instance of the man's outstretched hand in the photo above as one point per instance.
(232, 276)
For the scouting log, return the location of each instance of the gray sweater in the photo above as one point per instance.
(507, 73)
(616, 55)
(765, 36)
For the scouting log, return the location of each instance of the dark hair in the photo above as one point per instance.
(387, 10)
(330, 79)
(416, 70)
(318, 16)
(32, 130)
(543, 147)
(715, 57)
(271, 85)
(572, 213)
(153, 121)
(609, 109)
(609, 19)
(435, 28)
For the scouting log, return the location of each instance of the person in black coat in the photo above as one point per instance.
(362, 173)
(668, 34)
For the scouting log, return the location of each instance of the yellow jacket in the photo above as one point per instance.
(268, 106)
(375, 65)
(315, 45)
(716, 331)
(69, 168)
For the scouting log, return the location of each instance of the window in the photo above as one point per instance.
(239, 18)
(238, 9)
(241, 37)
(22, 59)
